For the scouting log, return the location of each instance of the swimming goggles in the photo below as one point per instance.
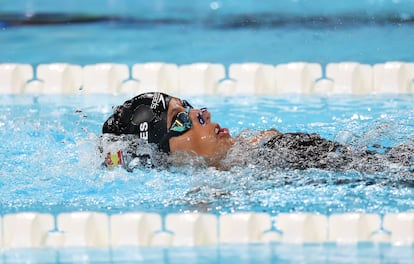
(182, 121)
(181, 124)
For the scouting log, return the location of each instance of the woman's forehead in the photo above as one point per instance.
(175, 103)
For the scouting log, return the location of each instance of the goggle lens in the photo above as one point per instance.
(182, 121)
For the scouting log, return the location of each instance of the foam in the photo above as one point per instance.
(209, 78)
(139, 229)
(14, 77)
(350, 77)
(104, 77)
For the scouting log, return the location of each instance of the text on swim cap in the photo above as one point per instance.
(143, 130)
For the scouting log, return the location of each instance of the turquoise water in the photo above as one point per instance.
(52, 145)
(227, 31)
(273, 253)
(48, 157)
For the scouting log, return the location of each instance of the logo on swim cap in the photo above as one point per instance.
(156, 101)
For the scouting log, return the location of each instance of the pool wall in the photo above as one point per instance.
(209, 79)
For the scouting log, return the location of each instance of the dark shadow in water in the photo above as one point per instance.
(229, 21)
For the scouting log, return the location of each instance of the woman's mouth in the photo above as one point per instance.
(221, 131)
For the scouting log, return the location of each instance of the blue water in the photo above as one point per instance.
(48, 157)
(223, 32)
(273, 253)
(50, 162)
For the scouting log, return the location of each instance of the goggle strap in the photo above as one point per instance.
(186, 104)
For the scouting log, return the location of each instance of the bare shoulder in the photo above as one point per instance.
(259, 137)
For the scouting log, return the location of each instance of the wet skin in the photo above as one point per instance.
(207, 140)
(297, 150)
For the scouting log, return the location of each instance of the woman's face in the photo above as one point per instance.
(208, 139)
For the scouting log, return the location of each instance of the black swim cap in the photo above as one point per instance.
(144, 115)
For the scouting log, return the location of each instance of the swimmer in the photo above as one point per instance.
(173, 127)
(170, 123)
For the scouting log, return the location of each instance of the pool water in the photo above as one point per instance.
(48, 156)
(251, 253)
(226, 31)
(50, 161)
